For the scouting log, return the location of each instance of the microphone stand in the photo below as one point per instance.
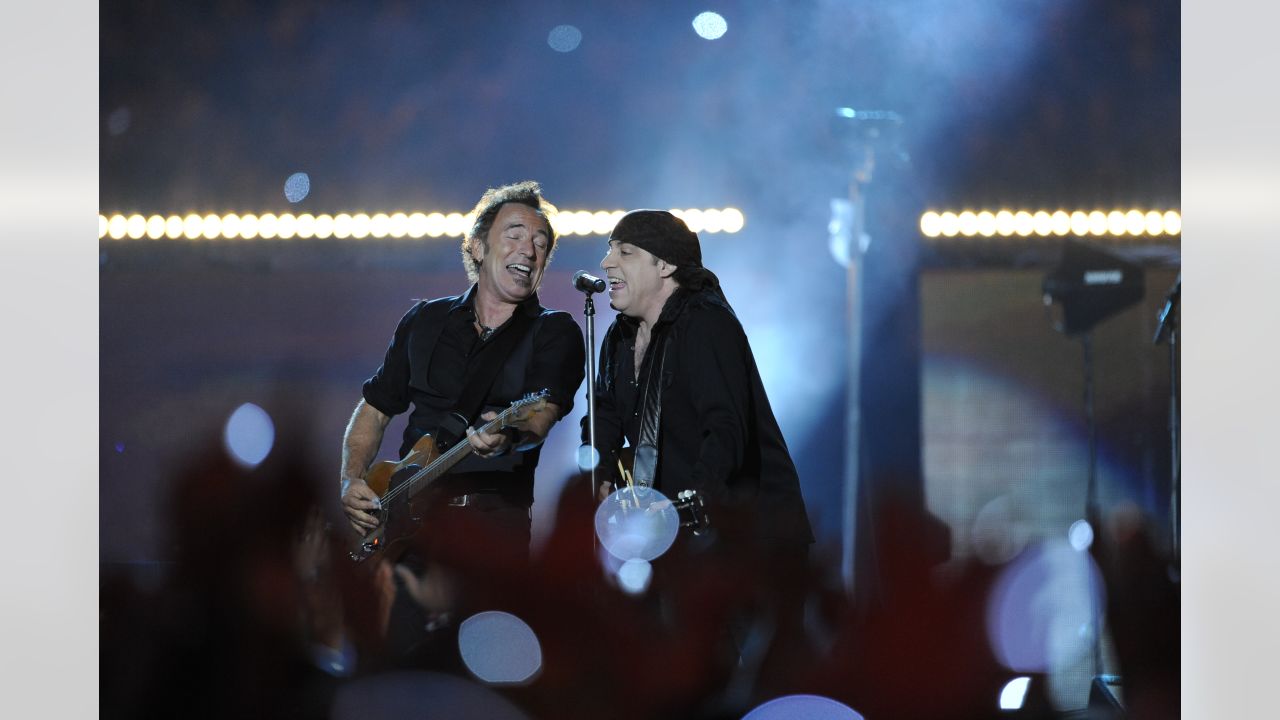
(589, 313)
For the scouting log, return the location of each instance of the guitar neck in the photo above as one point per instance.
(426, 476)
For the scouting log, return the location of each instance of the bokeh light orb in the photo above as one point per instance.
(564, 38)
(249, 435)
(499, 648)
(636, 523)
(588, 457)
(1080, 535)
(297, 187)
(803, 707)
(1014, 693)
(1040, 610)
(634, 576)
(710, 26)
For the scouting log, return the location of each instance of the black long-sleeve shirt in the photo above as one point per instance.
(718, 434)
(426, 363)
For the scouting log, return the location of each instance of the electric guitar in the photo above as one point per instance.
(688, 504)
(398, 482)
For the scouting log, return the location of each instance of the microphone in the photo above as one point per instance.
(587, 283)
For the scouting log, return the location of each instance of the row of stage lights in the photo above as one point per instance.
(1117, 223)
(269, 226)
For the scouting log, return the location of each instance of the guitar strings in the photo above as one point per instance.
(457, 448)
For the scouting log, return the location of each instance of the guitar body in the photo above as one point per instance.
(400, 485)
(401, 513)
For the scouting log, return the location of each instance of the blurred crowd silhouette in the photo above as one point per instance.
(261, 613)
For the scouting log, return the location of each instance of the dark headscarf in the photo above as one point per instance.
(668, 238)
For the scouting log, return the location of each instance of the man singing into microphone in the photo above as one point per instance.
(678, 383)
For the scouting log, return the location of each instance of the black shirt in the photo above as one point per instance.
(718, 434)
(428, 357)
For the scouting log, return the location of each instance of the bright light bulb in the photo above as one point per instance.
(930, 224)
(155, 227)
(733, 220)
(212, 226)
(1004, 223)
(136, 227)
(1022, 223)
(1173, 222)
(230, 225)
(949, 223)
(986, 224)
(968, 223)
(1042, 223)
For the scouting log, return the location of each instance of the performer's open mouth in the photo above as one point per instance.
(520, 271)
(616, 284)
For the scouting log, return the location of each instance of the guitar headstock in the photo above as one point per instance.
(526, 407)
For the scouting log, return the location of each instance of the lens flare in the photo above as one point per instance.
(636, 523)
(249, 435)
(499, 648)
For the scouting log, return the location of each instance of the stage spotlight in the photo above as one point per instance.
(1173, 222)
(324, 227)
(733, 219)
(931, 224)
(1079, 223)
(455, 224)
(693, 219)
(1098, 222)
(211, 226)
(155, 227)
(191, 226)
(248, 226)
(968, 222)
(379, 224)
(230, 225)
(286, 225)
(435, 224)
(399, 225)
(1154, 223)
(1134, 222)
(267, 226)
(1061, 223)
(360, 226)
(711, 220)
(306, 225)
(135, 227)
(1042, 224)
(173, 227)
(986, 224)
(710, 26)
(949, 224)
(117, 227)
(601, 222)
(1004, 223)
(418, 225)
(1116, 223)
(1022, 223)
(342, 226)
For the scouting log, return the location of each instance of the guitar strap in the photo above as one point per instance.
(481, 375)
(644, 470)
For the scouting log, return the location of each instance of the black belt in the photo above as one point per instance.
(490, 500)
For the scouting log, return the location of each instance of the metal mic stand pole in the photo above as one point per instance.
(589, 312)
